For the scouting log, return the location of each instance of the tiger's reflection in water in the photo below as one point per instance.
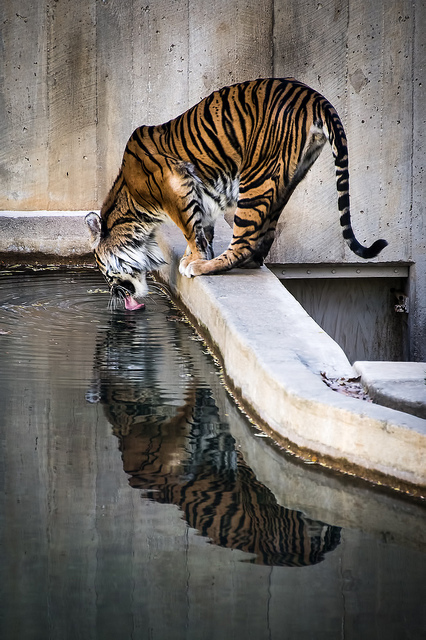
(178, 449)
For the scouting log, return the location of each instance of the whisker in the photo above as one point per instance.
(156, 288)
(116, 298)
(159, 288)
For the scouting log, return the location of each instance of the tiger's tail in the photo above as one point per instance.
(337, 139)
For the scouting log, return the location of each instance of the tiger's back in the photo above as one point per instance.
(245, 147)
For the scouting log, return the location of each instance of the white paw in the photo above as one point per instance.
(185, 270)
(189, 271)
(182, 267)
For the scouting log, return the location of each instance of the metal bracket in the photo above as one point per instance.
(403, 302)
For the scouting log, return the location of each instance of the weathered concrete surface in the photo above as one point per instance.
(399, 385)
(29, 236)
(273, 354)
(78, 79)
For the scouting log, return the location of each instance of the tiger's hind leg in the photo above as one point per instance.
(257, 213)
(314, 143)
(313, 147)
(258, 257)
(256, 260)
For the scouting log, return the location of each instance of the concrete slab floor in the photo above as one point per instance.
(273, 355)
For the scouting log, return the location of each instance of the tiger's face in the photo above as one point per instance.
(124, 254)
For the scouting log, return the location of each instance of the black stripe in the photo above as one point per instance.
(343, 202)
(345, 219)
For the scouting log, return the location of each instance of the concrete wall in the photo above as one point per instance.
(369, 59)
(78, 77)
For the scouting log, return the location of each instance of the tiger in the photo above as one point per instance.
(182, 452)
(242, 150)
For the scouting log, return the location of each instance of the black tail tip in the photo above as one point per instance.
(375, 249)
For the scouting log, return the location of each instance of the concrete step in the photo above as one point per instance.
(399, 385)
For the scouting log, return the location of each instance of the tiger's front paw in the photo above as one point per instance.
(192, 268)
(184, 265)
(196, 268)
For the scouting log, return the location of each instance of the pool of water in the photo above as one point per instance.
(137, 501)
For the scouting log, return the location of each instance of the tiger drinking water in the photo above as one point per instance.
(244, 148)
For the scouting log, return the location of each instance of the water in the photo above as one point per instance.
(138, 502)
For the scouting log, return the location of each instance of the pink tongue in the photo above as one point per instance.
(132, 304)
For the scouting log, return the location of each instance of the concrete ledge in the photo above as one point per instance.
(273, 354)
(44, 236)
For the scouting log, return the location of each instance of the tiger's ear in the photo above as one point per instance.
(93, 221)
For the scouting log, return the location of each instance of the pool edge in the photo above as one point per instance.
(272, 352)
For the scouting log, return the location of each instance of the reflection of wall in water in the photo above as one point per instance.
(356, 312)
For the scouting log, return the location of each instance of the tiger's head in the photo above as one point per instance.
(125, 249)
